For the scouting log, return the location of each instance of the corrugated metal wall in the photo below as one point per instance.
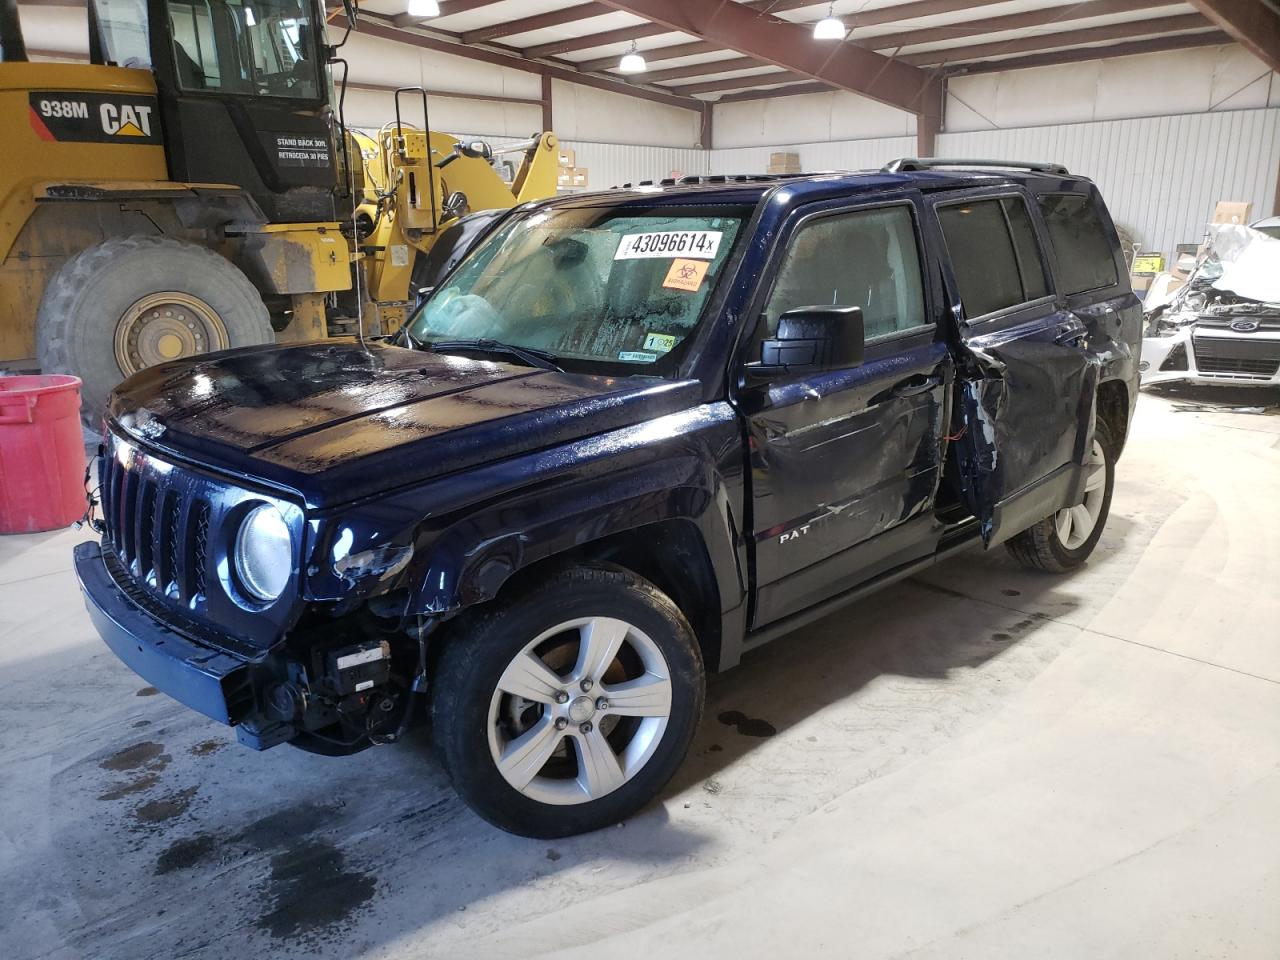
(838, 155)
(1161, 176)
(613, 164)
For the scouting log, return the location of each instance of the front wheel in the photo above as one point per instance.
(1064, 541)
(570, 707)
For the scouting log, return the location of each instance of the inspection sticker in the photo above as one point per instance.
(661, 342)
(670, 243)
(686, 275)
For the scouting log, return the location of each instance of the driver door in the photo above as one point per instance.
(845, 462)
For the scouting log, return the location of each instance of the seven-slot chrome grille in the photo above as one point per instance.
(158, 529)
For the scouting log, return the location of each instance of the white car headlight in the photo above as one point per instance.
(264, 553)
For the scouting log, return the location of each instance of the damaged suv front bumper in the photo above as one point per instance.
(219, 684)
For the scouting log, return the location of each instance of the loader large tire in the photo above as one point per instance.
(130, 302)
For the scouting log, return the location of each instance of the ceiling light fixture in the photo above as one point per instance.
(424, 8)
(249, 19)
(829, 27)
(632, 62)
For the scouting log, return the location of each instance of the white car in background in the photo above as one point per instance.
(1223, 325)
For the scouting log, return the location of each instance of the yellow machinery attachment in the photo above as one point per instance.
(428, 181)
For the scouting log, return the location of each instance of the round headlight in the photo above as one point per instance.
(264, 553)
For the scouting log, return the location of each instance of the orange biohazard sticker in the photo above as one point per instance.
(686, 275)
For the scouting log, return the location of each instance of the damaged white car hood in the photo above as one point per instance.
(1250, 262)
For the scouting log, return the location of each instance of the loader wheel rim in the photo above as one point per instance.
(167, 326)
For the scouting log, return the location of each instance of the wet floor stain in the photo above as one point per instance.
(554, 855)
(312, 890)
(747, 726)
(166, 808)
(131, 758)
(206, 747)
(714, 748)
(139, 724)
(186, 853)
(295, 821)
(1012, 593)
(147, 692)
(130, 787)
(1002, 637)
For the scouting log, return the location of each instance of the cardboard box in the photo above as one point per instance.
(783, 162)
(579, 176)
(1141, 282)
(564, 177)
(1233, 211)
(567, 157)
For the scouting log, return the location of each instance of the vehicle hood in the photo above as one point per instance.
(1250, 262)
(338, 420)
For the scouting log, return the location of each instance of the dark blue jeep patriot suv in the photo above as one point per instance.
(628, 437)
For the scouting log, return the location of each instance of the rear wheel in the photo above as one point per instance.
(131, 302)
(569, 708)
(1064, 541)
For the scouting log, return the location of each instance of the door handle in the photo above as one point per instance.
(917, 384)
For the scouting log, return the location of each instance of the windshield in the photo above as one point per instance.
(597, 285)
(252, 47)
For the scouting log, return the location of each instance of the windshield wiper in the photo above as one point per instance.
(534, 358)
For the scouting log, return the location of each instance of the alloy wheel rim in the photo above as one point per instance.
(1076, 524)
(168, 325)
(577, 733)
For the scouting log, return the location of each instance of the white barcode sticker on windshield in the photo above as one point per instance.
(699, 244)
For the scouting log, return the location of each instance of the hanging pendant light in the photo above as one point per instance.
(829, 27)
(632, 61)
(424, 8)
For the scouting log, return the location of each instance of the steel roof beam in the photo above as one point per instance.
(791, 46)
(1255, 24)
(447, 9)
(377, 26)
(1181, 41)
(1063, 38)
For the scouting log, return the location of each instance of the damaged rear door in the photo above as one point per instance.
(1025, 379)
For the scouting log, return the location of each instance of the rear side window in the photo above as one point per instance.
(1085, 259)
(994, 254)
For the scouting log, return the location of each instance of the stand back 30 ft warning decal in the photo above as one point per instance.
(94, 117)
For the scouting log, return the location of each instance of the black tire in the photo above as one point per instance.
(87, 298)
(482, 645)
(1041, 548)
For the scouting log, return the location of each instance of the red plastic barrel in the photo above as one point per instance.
(41, 453)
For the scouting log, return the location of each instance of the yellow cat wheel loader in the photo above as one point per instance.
(194, 188)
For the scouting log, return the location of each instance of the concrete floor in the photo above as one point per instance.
(979, 763)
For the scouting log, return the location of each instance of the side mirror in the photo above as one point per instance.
(810, 339)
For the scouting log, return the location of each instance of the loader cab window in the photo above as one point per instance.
(122, 33)
(258, 48)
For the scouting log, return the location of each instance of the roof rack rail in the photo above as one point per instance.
(910, 164)
(700, 179)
